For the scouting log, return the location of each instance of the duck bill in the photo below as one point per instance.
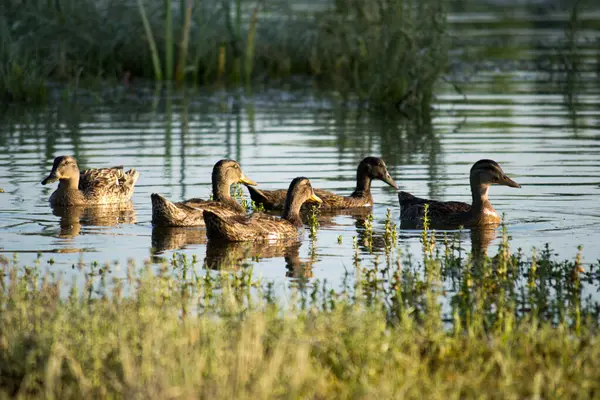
(247, 181)
(315, 199)
(53, 177)
(509, 182)
(388, 179)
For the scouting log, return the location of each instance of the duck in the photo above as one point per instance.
(189, 212)
(484, 173)
(260, 226)
(369, 168)
(91, 186)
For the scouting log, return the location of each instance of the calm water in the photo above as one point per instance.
(543, 130)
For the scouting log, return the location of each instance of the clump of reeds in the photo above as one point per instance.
(388, 54)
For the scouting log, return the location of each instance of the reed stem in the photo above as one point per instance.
(151, 42)
(168, 40)
(185, 40)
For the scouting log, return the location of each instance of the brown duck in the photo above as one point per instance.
(370, 168)
(453, 213)
(89, 187)
(189, 212)
(263, 227)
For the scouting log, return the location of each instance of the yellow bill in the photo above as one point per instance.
(247, 181)
(315, 198)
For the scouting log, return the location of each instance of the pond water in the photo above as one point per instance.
(544, 132)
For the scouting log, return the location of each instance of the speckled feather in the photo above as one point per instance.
(275, 199)
(111, 183)
(189, 213)
(370, 168)
(259, 227)
(451, 214)
(99, 186)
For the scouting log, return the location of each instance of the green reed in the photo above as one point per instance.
(184, 44)
(390, 235)
(313, 221)
(151, 42)
(368, 233)
(387, 54)
(168, 40)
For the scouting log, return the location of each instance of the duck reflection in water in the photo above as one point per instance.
(175, 238)
(236, 255)
(74, 217)
(481, 238)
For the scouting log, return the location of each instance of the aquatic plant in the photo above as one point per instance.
(368, 233)
(313, 222)
(239, 194)
(390, 234)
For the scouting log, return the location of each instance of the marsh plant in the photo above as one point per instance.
(313, 222)
(508, 326)
(388, 53)
(239, 194)
(390, 234)
(368, 233)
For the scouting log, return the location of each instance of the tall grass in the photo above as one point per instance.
(448, 326)
(387, 53)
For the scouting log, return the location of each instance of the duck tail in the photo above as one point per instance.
(132, 176)
(405, 197)
(214, 225)
(164, 212)
(128, 182)
(256, 194)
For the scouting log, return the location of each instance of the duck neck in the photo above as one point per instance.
(363, 184)
(479, 191)
(291, 211)
(222, 194)
(222, 191)
(65, 185)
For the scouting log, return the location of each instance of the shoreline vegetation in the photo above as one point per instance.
(436, 325)
(388, 54)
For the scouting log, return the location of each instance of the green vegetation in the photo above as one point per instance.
(313, 222)
(238, 192)
(448, 326)
(388, 53)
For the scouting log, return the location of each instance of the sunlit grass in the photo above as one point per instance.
(447, 326)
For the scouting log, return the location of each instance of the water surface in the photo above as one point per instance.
(542, 128)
